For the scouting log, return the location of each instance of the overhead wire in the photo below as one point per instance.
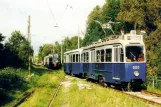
(51, 11)
(64, 12)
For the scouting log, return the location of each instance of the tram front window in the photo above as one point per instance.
(134, 54)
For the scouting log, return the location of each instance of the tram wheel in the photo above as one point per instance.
(101, 81)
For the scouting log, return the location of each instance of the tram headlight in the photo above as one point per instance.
(136, 73)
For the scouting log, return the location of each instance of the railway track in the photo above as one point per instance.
(147, 96)
(56, 92)
(27, 95)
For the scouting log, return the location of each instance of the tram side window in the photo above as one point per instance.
(93, 56)
(70, 58)
(98, 56)
(86, 57)
(121, 55)
(82, 58)
(108, 55)
(116, 55)
(102, 55)
(67, 58)
(77, 58)
(73, 57)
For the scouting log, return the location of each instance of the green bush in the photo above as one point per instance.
(11, 79)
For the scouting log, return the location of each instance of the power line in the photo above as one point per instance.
(51, 11)
(65, 11)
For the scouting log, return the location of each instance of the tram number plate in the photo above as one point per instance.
(136, 67)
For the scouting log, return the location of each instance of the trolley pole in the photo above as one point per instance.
(29, 40)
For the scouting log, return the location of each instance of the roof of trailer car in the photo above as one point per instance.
(75, 50)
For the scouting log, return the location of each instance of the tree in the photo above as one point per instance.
(40, 58)
(1, 49)
(108, 12)
(94, 30)
(45, 50)
(17, 50)
(143, 14)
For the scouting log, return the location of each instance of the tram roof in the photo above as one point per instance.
(74, 51)
(122, 39)
(131, 38)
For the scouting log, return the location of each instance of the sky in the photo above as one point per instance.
(66, 14)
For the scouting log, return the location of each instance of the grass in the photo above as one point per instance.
(96, 97)
(46, 86)
(150, 88)
(45, 82)
(42, 79)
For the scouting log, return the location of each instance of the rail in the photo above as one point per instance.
(24, 98)
(150, 97)
(56, 92)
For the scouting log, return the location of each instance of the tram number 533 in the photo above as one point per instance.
(136, 67)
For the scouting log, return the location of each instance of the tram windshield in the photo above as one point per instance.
(134, 54)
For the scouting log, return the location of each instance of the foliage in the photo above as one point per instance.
(1, 40)
(67, 44)
(93, 30)
(71, 43)
(45, 50)
(1, 48)
(108, 12)
(16, 51)
(46, 86)
(144, 15)
(57, 48)
(11, 80)
(40, 58)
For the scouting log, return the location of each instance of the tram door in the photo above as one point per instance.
(116, 75)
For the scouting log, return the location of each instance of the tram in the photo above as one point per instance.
(117, 60)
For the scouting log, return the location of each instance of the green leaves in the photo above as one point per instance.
(16, 51)
(108, 12)
(45, 50)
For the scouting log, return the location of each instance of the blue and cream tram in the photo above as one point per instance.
(72, 62)
(118, 61)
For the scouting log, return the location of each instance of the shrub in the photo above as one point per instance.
(10, 79)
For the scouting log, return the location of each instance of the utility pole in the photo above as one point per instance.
(29, 40)
(78, 37)
(62, 51)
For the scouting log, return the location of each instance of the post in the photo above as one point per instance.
(78, 37)
(153, 83)
(61, 51)
(29, 40)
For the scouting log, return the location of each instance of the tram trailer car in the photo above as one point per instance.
(52, 62)
(120, 62)
(72, 62)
